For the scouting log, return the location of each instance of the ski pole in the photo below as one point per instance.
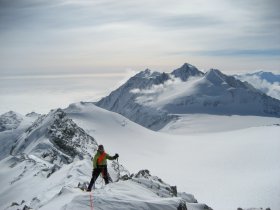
(91, 201)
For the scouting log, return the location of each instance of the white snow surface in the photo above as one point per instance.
(38, 176)
(24, 183)
(206, 123)
(225, 169)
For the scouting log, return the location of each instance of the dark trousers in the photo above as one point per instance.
(96, 172)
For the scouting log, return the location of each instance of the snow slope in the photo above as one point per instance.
(206, 123)
(15, 125)
(23, 183)
(52, 157)
(226, 170)
(154, 99)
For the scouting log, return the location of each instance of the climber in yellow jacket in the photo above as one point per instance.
(100, 166)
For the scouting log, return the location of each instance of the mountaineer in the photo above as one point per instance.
(100, 166)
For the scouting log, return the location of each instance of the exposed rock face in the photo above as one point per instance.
(56, 139)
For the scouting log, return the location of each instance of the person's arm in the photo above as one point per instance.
(112, 157)
(95, 161)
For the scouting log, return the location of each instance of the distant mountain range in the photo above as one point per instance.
(154, 99)
(267, 82)
(268, 76)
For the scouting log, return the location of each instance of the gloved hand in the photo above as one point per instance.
(116, 156)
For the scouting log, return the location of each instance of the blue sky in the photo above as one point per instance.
(93, 36)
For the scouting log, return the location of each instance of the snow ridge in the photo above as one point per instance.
(56, 139)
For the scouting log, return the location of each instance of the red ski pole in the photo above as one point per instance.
(91, 201)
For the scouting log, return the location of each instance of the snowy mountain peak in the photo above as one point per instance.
(186, 71)
(149, 77)
(55, 138)
(187, 65)
(10, 113)
(144, 74)
(215, 71)
(124, 100)
(10, 120)
(215, 76)
(33, 115)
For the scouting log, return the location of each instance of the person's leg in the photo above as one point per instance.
(105, 175)
(95, 174)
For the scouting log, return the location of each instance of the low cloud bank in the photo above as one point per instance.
(271, 89)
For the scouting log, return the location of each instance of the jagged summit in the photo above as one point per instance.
(10, 113)
(145, 73)
(33, 115)
(147, 78)
(10, 120)
(186, 71)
